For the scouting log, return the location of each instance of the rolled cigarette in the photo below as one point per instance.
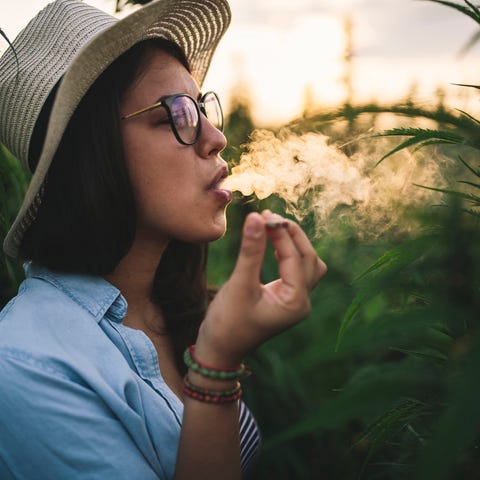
(273, 224)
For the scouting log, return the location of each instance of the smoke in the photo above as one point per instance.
(317, 179)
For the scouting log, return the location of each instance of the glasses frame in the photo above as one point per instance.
(167, 101)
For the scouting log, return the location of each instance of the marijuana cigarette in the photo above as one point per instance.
(274, 224)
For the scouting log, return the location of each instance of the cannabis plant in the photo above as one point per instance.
(436, 430)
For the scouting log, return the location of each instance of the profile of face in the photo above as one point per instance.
(175, 186)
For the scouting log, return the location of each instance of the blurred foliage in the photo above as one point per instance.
(13, 184)
(380, 382)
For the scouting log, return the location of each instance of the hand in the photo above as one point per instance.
(244, 312)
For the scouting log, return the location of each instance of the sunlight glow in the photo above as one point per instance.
(288, 57)
(278, 65)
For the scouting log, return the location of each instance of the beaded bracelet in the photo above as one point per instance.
(211, 372)
(211, 396)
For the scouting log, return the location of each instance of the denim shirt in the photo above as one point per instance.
(81, 394)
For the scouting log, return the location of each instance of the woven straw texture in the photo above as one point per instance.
(72, 42)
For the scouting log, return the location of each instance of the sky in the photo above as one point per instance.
(278, 50)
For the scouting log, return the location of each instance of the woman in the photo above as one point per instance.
(125, 194)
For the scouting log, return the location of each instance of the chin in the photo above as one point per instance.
(206, 234)
(217, 234)
(217, 229)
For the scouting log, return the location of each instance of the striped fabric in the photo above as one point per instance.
(249, 441)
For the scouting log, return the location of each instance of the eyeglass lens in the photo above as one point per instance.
(185, 115)
(213, 110)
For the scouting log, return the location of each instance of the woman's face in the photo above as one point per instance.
(175, 186)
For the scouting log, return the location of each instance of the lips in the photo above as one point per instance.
(222, 195)
(215, 183)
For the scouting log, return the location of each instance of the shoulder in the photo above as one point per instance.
(55, 357)
(41, 314)
(55, 322)
(50, 304)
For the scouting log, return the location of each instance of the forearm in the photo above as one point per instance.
(209, 442)
(243, 315)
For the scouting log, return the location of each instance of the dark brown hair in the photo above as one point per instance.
(86, 221)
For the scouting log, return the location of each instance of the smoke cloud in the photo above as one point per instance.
(317, 179)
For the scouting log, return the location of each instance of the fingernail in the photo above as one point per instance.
(253, 229)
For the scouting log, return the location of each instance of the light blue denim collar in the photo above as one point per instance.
(94, 294)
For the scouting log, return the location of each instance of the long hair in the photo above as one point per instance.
(86, 222)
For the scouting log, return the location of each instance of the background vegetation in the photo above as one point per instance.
(380, 382)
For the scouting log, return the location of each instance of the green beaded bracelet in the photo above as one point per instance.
(211, 372)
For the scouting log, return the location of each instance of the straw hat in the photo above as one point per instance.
(75, 42)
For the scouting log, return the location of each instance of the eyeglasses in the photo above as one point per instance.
(184, 114)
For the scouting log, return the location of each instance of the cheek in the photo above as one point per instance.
(148, 159)
(170, 197)
(162, 182)
(145, 168)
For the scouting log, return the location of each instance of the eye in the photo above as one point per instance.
(159, 117)
(185, 117)
(162, 121)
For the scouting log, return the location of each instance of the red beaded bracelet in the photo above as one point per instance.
(207, 391)
(212, 397)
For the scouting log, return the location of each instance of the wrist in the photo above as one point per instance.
(226, 366)
(213, 352)
(209, 375)
(210, 384)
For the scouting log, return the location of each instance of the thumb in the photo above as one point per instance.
(252, 250)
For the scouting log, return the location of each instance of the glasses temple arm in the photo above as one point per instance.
(143, 110)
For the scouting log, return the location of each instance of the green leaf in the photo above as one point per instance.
(3, 34)
(471, 117)
(389, 424)
(458, 426)
(466, 182)
(389, 381)
(466, 196)
(433, 142)
(388, 265)
(475, 172)
(422, 133)
(473, 7)
(472, 12)
(468, 85)
(469, 211)
(421, 136)
(430, 354)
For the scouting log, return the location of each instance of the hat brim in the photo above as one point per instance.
(196, 26)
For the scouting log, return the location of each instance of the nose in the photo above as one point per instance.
(211, 141)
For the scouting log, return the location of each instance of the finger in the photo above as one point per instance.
(289, 260)
(315, 267)
(252, 250)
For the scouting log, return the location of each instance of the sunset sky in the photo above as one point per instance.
(276, 49)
